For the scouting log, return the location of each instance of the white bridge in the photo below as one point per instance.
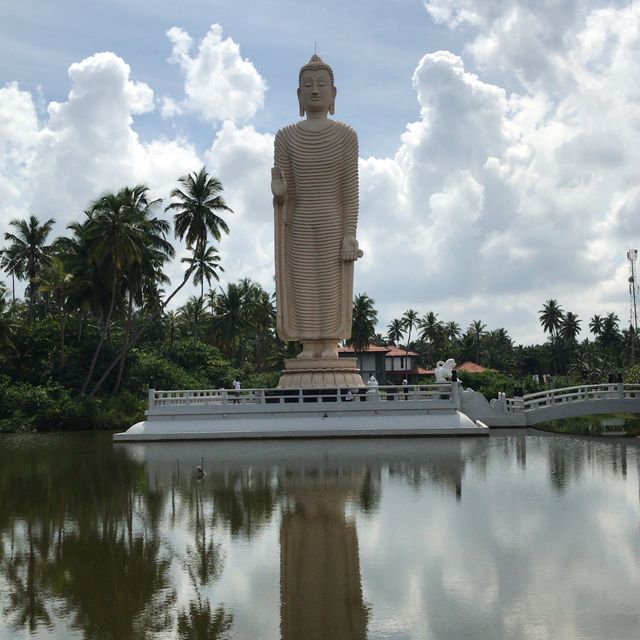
(554, 404)
(433, 409)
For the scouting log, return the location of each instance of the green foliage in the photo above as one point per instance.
(489, 383)
(632, 374)
(27, 407)
(166, 374)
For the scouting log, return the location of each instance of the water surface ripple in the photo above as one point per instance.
(522, 535)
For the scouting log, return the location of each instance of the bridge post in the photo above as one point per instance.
(455, 394)
(620, 391)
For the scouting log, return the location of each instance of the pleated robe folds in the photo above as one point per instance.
(314, 287)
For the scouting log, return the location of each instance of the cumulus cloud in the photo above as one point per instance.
(242, 158)
(18, 136)
(495, 202)
(219, 84)
(87, 145)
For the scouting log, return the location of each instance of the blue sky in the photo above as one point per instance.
(498, 140)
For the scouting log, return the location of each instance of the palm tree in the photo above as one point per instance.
(452, 331)
(123, 238)
(595, 325)
(196, 217)
(58, 283)
(171, 318)
(395, 331)
(431, 330)
(551, 316)
(570, 327)
(477, 330)
(191, 311)
(364, 320)
(212, 296)
(28, 252)
(6, 328)
(262, 317)
(231, 319)
(204, 264)
(197, 205)
(9, 263)
(610, 337)
(499, 349)
(409, 321)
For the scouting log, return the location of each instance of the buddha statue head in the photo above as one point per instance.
(316, 91)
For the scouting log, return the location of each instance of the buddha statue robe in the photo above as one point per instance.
(314, 284)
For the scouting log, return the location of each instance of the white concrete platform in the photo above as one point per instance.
(423, 410)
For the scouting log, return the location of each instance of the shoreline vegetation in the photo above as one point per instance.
(95, 326)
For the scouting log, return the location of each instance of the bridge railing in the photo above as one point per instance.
(444, 395)
(580, 393)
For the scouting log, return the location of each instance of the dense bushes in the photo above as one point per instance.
(25, 407)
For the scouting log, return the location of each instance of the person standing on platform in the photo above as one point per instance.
(236, 393)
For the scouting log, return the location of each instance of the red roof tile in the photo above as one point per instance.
(372, 348)
(396, 352)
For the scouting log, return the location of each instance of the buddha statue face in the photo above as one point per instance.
(316, 93)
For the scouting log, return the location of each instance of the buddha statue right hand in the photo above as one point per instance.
(350, 249)
(278, 185)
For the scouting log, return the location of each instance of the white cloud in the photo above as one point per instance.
(242, 159)
(86, 146)
(219, 83)
(504, 201)
(18, 135)
(492, 203)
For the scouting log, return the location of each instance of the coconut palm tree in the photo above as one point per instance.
(395, 331)
(570, 327)
(231, 319)
(452, 331)
(28, 252)
(477, 330)
(261, 315)
(9, 263)
(123, 239)
(409, 321)
(431, 332)
(610, 338)
(551, 316)
(6, 326)
(197, 204)
(204, 264)
(364, 320)
(58, 283)
(595, 325)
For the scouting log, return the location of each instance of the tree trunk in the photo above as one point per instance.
(61, 323)
(103, 335)
(136, 336)
(116, 388)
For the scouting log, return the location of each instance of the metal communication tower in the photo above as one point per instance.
(634, 293)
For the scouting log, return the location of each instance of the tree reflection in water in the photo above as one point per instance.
(106, 541)
(200, 623)
(80, 540)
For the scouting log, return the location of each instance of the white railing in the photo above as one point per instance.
(443, 393)
(614, 391)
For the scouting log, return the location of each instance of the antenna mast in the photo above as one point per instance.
(634, 293)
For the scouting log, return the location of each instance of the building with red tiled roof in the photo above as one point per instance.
(388, 364)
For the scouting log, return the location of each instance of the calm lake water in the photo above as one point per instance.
(515, 536)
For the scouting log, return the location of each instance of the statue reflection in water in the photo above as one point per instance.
(320, 584)
(318, 492)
